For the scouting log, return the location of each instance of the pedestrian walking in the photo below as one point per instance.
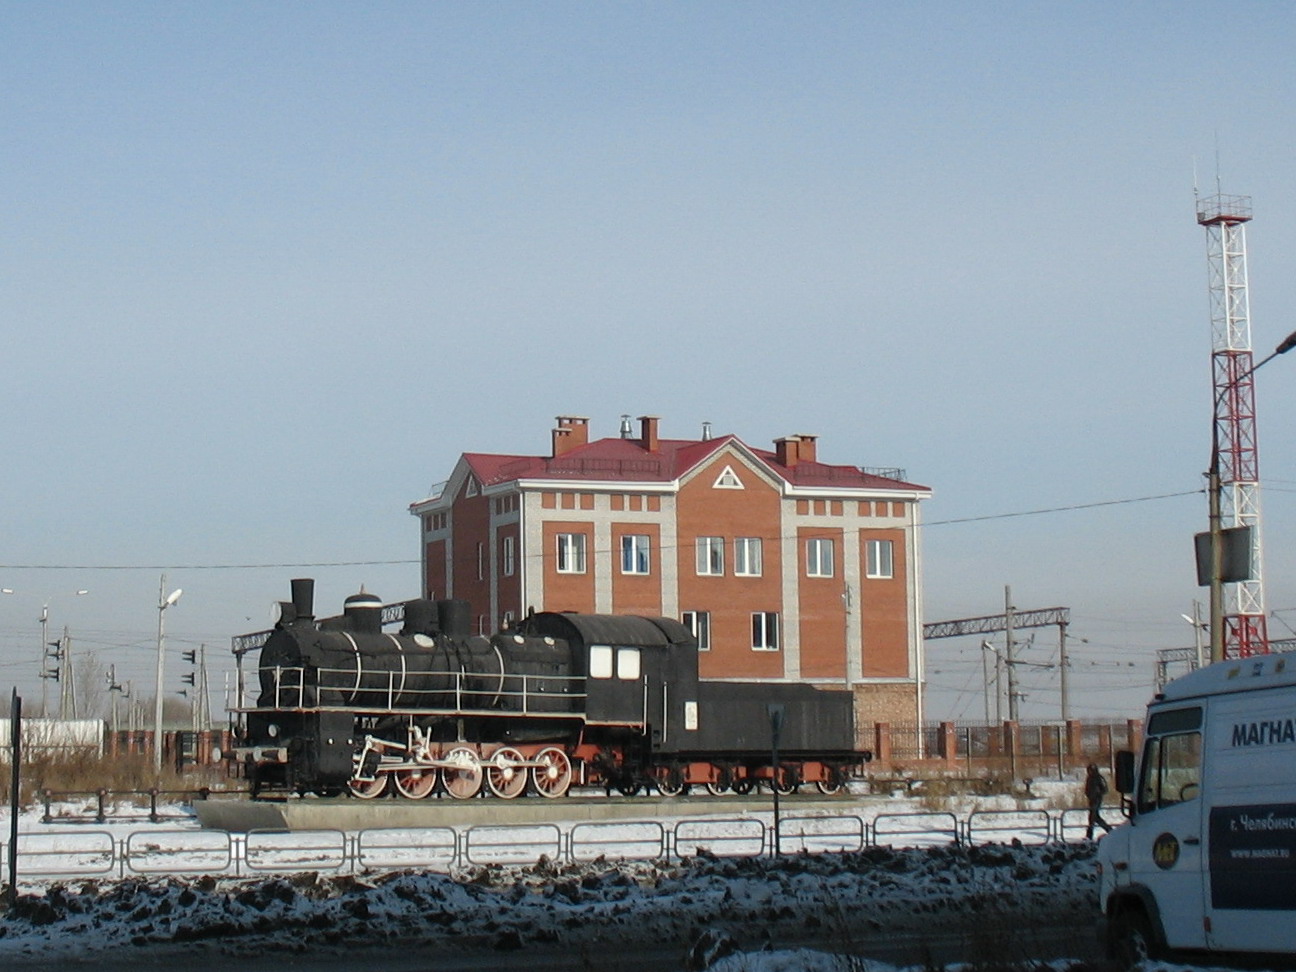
(1095, 788)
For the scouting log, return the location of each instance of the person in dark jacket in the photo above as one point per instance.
(1095, 788)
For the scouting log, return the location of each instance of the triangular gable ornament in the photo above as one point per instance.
(728, 479)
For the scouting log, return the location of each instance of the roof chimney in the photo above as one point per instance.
(626, 431)
(808, 450)
(706, 431)
(648, 432)
(786, 450)
(572, 433)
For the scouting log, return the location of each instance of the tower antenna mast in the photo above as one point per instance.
(1234, 433)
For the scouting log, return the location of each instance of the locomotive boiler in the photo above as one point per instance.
(560, 699)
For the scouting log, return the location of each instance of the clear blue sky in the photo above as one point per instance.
(269, 268)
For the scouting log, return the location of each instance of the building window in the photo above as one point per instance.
(747, 557)
(481, 561)
(765, 631)
(879, 562)
(571, 553)
(710, 556)
(699, 622)
(507, 556)
(506, 622)
(634, 554)
(819, 558)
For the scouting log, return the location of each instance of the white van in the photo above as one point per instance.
(1207, 861)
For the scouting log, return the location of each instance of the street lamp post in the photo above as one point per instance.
(165, 601)
(1213, 490)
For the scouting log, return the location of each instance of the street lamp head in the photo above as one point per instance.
(1287, 345)
(172, 597)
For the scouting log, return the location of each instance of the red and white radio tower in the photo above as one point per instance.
(1234, 434)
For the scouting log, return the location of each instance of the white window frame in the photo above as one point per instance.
(820, 552)
(481, 561)
(636, 553)
(765, 631)
(745, 564)
(571, 553)
(880, 559)
(699, 622)
(710, 556)
(510, 561)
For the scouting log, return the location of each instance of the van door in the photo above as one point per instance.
(1251, 897)
(1165, 842)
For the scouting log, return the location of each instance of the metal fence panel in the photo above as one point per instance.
(177, 852)
(87, 854)
(634, 840)
(921, 829)
(512, 844)
(818, 835)
(1028, 826)
(435, 848)
(295, 850)
(735, 837)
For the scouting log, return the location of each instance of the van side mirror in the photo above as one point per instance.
(1124, 772)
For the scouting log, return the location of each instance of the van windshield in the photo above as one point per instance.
(1171, 771)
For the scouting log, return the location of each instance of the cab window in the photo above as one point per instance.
(600, 661)
(1171, 771)
(628, 664)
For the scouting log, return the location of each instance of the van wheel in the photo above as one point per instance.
(1131, 942)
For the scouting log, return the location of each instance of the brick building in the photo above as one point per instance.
(786, 567)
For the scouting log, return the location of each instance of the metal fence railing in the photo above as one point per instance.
(62, 854)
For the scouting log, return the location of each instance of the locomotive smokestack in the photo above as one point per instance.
(303, 597)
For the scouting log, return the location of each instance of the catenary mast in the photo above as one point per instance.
(1234, 434)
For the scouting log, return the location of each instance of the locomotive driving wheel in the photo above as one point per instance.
(463, 779)
(415, 783)
(369, 789)
(554, 774)
(506, 773)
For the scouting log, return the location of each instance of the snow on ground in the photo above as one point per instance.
(834, 901)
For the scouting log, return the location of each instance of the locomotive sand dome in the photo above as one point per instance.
(563, 698)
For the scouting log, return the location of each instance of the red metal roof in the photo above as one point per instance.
(625, 460)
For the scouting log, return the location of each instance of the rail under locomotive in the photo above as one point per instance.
(562, 699)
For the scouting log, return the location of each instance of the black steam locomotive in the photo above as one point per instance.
(560, 700)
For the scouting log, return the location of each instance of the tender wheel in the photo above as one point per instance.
(672, 783)
(554, 774)
(415, 784)
(370, 789)
(833, 785)
(505, 774)
(722, 783)
(784, 783)
(743, 785)
(463, 780)
(1130, 940)
(628, 787)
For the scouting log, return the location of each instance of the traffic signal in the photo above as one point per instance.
(187, 678)
(190, 656)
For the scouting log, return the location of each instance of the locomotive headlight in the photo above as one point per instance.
(272, 730)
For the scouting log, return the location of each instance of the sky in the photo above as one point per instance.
(268, 269)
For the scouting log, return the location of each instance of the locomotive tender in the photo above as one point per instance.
(561, 699)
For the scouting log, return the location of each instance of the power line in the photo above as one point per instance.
(664, 547)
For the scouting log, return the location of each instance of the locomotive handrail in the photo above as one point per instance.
(292, 690)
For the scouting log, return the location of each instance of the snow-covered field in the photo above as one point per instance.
(800, 911)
